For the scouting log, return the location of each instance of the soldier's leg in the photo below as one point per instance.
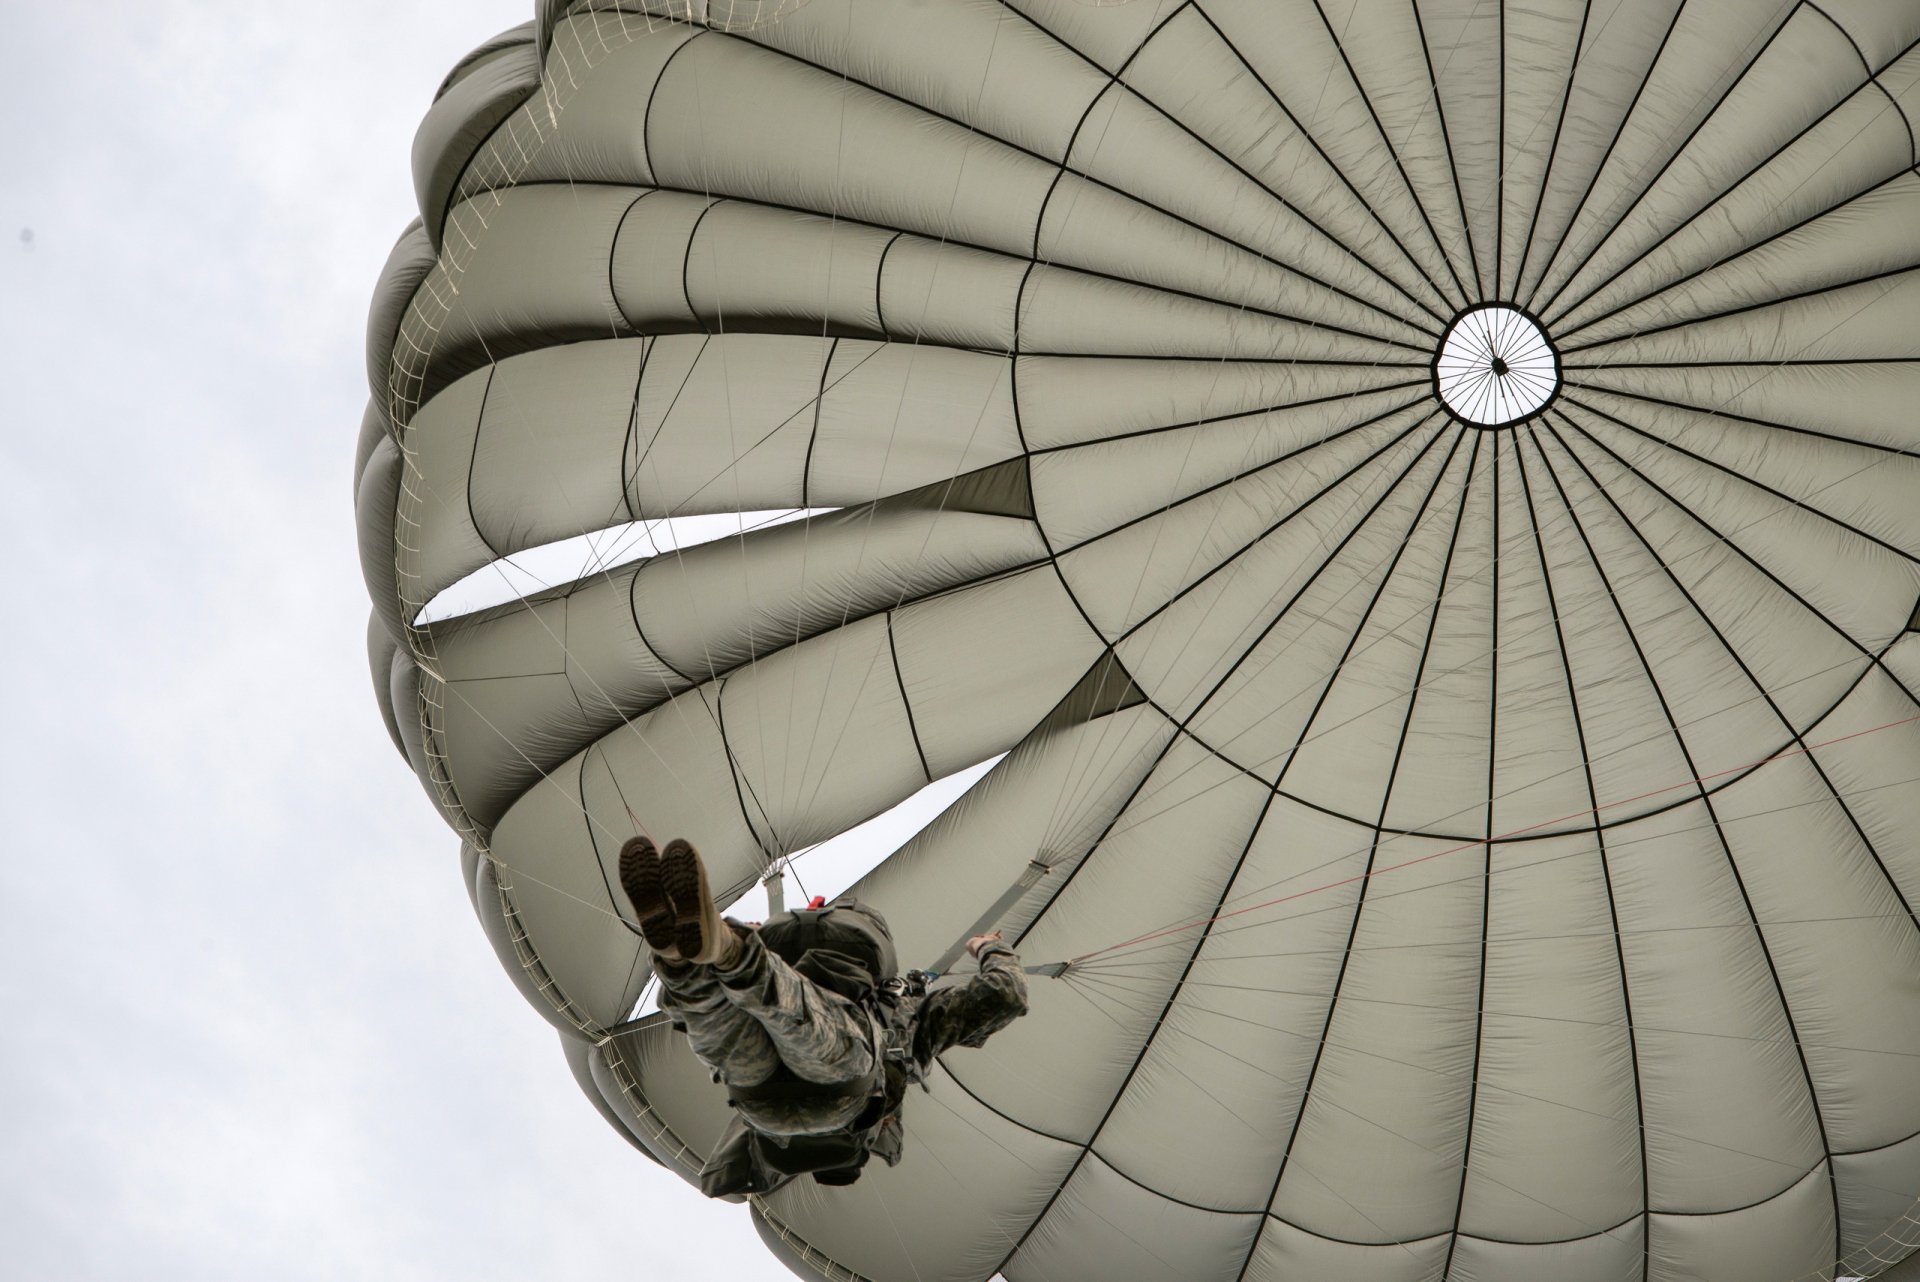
(744, 1008)
(725, 1038)
(819, 1035)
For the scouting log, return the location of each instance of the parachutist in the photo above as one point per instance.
(805, 1020)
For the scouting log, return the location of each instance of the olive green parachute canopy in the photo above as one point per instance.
(1422, 495)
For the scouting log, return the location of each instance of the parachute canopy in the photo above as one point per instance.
(1422, 496)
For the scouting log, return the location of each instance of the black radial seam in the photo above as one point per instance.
(1512, 839)
(1599, 166)
(1332, 240)
(653, 91)
(1871, 657)
(740, 780)
(1616, 220)
(905, 702)
(686, 268)
(566, 634)
(1251, 543)
(879, 312)
(613, 254)
(1798, 736)
(630, 446)
(1682, 225)
(1277, 461)
(1737, 474)
(1333, 1000)
(1080, 607)
(947, 239)
(1499, 161)
(1873, 77)
(1207, 420)
(1600, 845)
(1553, 154)
(1262, 255)
(1413, 194)
(1180, 724)
(1895, 450)
(1214, 1046)
(1486, 850)
(1791, 1183)
(1750, 307)
(1748, 364)
(819, 396)
(1084, 1150)
(1446, 138)
(672, 404)
(1227, 882)
(506, 676)
(1249, 309)
(1668, 286)
(1338, 172)
(1176, 737)
(1252, 252)
(1425, 360)
(1373, 850)
(1063, 168)
(1060, 1186)
(473, 461)
(1324, 565)
(633, 612)
(593, 843)
(1094, 845)
(1726, 848)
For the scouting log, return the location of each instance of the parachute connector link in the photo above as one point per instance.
(775, 882)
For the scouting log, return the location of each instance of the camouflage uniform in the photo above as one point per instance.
(758, 1014)
(747, 1020)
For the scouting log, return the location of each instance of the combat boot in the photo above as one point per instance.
(700, 934)
(640, 878)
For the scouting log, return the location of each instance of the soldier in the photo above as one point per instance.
(805, 1022)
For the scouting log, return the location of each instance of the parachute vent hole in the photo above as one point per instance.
(1495, 367)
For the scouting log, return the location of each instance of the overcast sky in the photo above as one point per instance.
(251, 1027)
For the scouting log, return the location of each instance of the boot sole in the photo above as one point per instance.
(680, 879)
(640, 877)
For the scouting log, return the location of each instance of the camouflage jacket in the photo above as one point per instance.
(918, 1026)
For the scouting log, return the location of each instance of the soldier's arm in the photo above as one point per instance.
(977, 1009)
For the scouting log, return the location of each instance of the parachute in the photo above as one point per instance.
(1423, 496)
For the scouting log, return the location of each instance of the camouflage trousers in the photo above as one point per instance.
(746, 1021)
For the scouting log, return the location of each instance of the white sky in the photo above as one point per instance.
(252, 1028)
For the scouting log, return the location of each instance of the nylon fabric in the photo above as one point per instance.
(1491, 850)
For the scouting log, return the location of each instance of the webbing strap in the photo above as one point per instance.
(1028, 878)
